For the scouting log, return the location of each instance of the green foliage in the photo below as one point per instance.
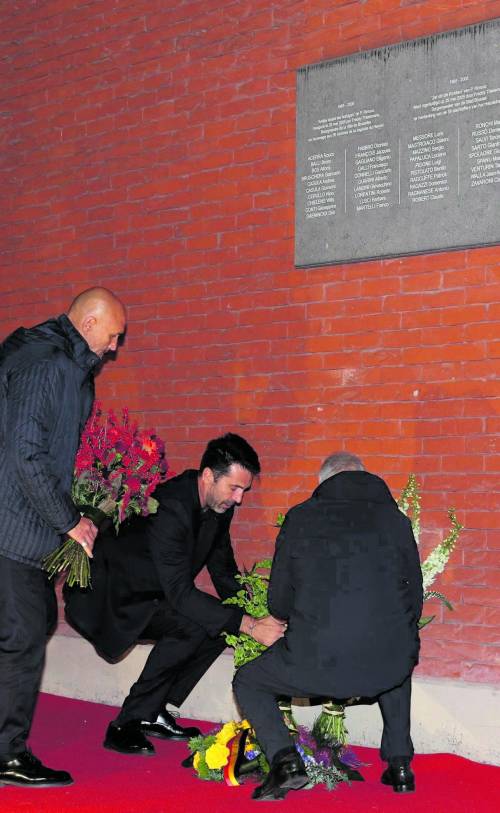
(253, 600)
(245, 647)
(263, 764)
(426, 619)
(201, 742)
(329, 775)
(209, 774)
(201, 745)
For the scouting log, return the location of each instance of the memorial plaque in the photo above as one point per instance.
(398, 149)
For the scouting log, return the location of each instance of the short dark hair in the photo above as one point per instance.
(222, 452)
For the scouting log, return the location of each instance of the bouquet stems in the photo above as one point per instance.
(329, 727)
(285, 707)
(69, 556)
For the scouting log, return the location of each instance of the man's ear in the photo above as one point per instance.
(87, 324)
(207, 476)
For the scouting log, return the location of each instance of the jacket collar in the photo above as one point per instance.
(76, 346)
(354, 486)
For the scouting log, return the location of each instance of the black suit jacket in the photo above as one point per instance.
(151, 565)
(346, 575)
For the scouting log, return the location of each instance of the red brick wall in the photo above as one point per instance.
(149, 146)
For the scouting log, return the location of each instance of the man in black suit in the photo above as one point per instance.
(143, 588)
(346, 577)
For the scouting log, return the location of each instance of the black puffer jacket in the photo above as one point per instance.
(46, 394)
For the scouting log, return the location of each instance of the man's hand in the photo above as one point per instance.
(84, 533)
(265, 630)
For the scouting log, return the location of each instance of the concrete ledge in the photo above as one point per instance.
(447, 716)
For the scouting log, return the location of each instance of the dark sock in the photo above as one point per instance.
(396, 762)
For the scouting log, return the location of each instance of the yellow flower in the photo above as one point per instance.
(196, 760)
(216, 756)
(245, 724)
(227, 732)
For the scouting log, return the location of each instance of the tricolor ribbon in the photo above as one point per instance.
(236, 753)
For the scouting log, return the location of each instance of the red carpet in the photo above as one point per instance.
(68, 733)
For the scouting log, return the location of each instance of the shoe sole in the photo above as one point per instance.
(280, 793)
(128, 752)
(400, 788)
(166, 736)
(14, 783)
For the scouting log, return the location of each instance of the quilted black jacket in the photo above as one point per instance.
(46, 394)
(346, 575)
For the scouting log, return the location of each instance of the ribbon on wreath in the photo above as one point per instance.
(236, 754)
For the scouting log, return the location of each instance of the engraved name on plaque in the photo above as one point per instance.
(398, 149)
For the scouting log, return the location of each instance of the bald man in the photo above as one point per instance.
(46, 394)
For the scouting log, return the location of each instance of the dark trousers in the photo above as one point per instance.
(258, 685)
(180, 657)
(28, 611)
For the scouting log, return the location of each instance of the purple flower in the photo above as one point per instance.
(305, 738)
(322, 756)
(349, 758)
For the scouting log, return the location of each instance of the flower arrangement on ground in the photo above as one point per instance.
(117, 468)
(327, 758)
(215, 755)
(232, 752)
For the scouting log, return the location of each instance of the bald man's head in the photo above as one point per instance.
(100, 318)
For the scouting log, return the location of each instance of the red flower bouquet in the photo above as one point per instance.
(117, 469)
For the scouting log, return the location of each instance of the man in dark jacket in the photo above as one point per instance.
(346, 577)
(46, 393)
(143, 588)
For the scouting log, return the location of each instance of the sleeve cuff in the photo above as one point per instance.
(234, 622)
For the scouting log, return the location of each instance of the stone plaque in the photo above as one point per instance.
(398, 149)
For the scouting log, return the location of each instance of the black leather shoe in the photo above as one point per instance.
(287, 773)
(401, 778)
(25, 770)
(128, 739)
(166, 728)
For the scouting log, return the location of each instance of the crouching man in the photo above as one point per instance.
(346, 577)
(143, 588)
